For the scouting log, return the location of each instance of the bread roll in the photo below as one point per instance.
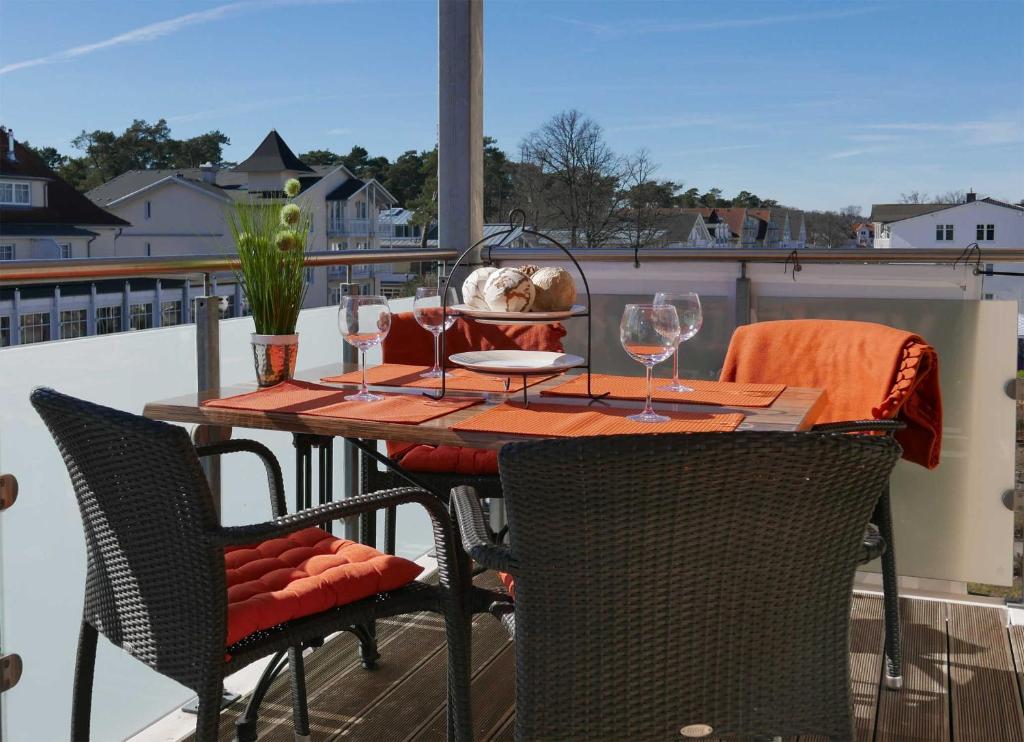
(555, 290)
(473, 287)
(509, 290)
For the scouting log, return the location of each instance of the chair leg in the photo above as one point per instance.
(367, 635)
(300, 712)
(85, 666)
(208, 718)
(245, 724)
(891, 597)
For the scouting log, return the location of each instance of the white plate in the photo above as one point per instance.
(488, 314)
(516, 361)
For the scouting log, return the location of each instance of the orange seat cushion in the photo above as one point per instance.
(445, 459)
(509, 582)
(302, 574)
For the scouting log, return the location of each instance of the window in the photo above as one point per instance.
(170, 313)
(944, 232)
(35, 327)
(72, 323)
(5, 331)
(108, 320)
(334, 296)
(141, 316)
(393, 291)
(149, 209)
(360, 209)
(886, 231)
(6, 252)
(65, 250)
(16, 194)
(986, 232)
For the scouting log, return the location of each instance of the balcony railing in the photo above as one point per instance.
(960, 503)
(352, 227)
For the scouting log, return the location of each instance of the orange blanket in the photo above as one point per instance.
(409, 343)
(869, 371)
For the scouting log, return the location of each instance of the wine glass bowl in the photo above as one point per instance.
(364, 322)
(691, 319)
(649, 334)
(431, 314)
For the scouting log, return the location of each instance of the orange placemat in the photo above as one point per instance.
(724, 393)
(302, 397)
(459, 379)
(572, 421)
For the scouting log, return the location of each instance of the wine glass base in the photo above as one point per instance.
(676, 388)
(363, 397)
(649, 417)
(431, 374)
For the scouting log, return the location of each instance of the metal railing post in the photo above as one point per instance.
(349, 453)
(742, 297)
(208, 373)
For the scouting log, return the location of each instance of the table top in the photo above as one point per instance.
(795, 409)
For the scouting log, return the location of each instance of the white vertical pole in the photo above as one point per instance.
(460, 161)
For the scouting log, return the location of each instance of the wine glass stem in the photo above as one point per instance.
(362, 362)
(648, 408)
(437, 353)
(675, 365)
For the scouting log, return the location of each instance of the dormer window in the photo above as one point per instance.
(15, 194)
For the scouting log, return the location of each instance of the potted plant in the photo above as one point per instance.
(270, 236)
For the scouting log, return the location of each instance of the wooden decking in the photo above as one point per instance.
(963, 680)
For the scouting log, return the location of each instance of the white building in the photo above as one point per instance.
(184, 211)
(988, 222)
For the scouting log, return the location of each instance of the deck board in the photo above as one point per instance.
(984, 697)
(920, 711)
(961, 665)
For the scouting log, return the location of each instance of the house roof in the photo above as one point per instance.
(64, 205)
(273, 155)
(346, 190)
(897, 212)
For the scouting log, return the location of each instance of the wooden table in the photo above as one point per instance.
(795, 409)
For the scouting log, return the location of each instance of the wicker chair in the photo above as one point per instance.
(682, 584)
(156, 584)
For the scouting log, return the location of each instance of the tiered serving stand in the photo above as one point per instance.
(516, 318)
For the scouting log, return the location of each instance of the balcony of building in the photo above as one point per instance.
(959, 550)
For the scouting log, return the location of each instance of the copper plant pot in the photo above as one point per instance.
(274, 357)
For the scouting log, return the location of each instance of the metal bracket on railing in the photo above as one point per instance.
(971, 253)
(8, 490)
(793, 257)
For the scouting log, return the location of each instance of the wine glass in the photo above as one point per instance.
(430, 315)
(691, 318)
(649, 334)
(364, 322)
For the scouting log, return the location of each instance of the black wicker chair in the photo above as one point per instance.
(682, 584)
(155, 583)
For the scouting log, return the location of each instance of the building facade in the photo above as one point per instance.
(986, 221)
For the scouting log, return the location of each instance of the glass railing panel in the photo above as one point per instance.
(42, 556)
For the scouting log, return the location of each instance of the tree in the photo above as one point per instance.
(406, 176)
(690, 198)
(712, 198)
(49, 155)
(424, 206)
(320, 157)
(830, 228)
(582, 172)
(498, 183)
(646, 200)
(951, 197)
(914, 197)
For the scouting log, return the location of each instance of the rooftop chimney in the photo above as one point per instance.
(10, 146)
(209, 171)
(971, 195)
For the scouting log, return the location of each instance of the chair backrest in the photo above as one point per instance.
(155, 585)
(665, 581)
(407, 342)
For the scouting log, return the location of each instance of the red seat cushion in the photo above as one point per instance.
(445, 459)
(509, 582)
(304, 573)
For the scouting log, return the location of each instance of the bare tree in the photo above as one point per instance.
(914, 197)
(644, 216)
(951, 197)
(582, 175)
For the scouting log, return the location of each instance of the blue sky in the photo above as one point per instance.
(816, 104)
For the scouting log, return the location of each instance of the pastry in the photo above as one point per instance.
(473, 287)
(509, 290)
(555, 290)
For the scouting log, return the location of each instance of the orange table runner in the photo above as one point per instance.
(459, 379)
(721, 393)
(572, 421)
(302, 397)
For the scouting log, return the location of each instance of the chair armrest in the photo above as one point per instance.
(469, 515)
(860, 426)
(282, 526)
(275, 480)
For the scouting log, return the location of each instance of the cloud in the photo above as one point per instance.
(712, 150)
(847, 153)
(642, 27)
(997, 131)
(154, 31)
